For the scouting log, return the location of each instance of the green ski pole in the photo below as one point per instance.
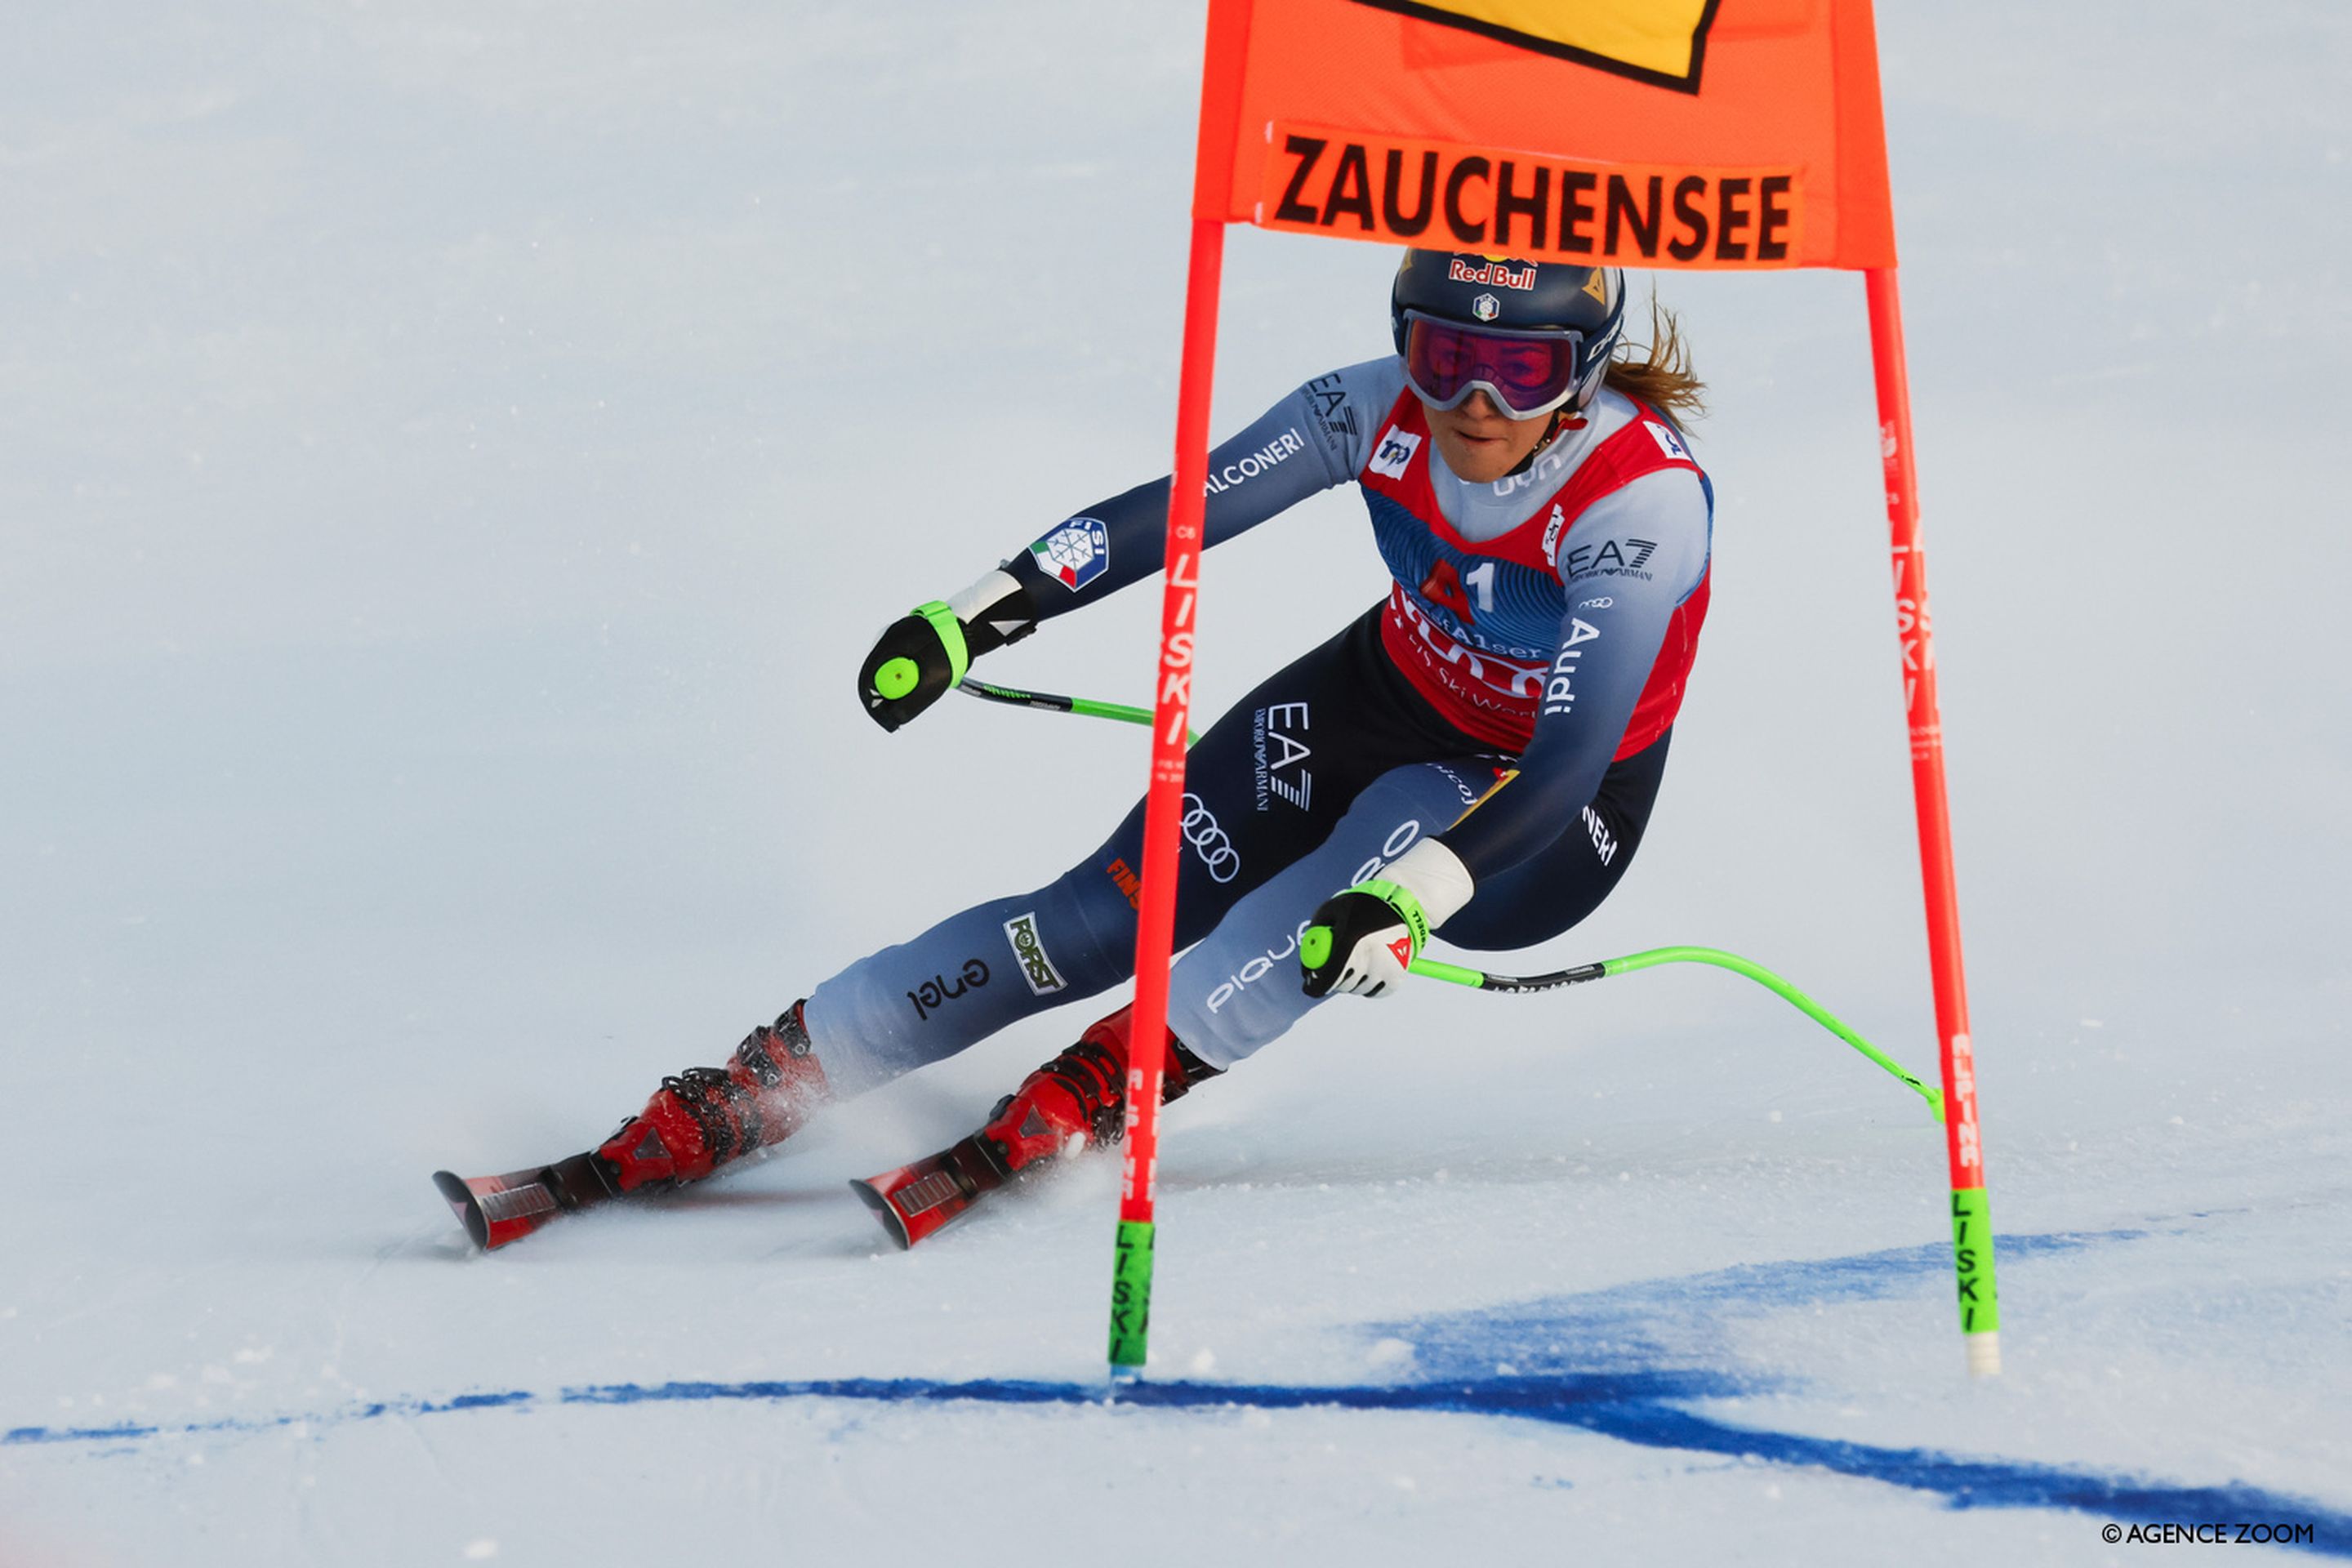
(1051, 702)
(1456, 975)
(1134, 1271)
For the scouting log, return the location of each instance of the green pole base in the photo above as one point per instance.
(1130, 1297)
(1979, 1296)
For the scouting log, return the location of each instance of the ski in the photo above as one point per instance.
(917, 1199)
(911, 1202)
(496, 1210)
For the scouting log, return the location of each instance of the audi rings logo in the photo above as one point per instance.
(1207, 837)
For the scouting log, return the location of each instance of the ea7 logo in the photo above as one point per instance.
(1662, 42)
(1611, 555)
(1275, 734)
(1394, 454)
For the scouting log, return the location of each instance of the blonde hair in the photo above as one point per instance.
(1665, 379)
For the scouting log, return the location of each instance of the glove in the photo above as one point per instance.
(1362, 940)
(1365, 939)
(918, 659)
(922, 655)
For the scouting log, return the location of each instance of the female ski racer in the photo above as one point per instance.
(1477, 753)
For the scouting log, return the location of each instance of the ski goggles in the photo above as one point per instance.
(1527, 373)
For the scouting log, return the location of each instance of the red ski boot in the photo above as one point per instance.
(695, 1122)
(706, 1117)
(1076, 1101)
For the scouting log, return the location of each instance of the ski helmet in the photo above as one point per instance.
(1534, 335)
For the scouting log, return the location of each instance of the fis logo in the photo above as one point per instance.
(1394, 454)
(1667, 441)
(1662, 42)
(1075, 553)
(1038, 969)
(1560, 691)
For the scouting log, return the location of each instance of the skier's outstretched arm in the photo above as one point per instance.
(1309, 441)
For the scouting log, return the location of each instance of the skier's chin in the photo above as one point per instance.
(1478, 459)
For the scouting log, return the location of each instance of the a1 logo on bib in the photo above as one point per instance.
(1394, 454)
(1075, 553)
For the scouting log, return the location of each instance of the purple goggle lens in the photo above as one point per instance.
(1527, 373)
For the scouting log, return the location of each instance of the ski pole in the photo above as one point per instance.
(1479, 980)
(1455, 973)
(1050, 702)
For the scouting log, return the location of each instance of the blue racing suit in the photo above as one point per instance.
(1512, 698)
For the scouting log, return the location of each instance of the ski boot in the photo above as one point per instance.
(1076, 1101)
(697, 1120)
(704, 1118)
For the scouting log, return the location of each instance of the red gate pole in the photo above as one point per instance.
(1972, 1247)
(1163, 810)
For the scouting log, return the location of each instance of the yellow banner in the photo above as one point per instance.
(1657, 41)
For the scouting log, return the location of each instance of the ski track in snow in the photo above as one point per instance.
(1622, 1363)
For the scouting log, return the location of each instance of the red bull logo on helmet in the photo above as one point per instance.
(1494, 274)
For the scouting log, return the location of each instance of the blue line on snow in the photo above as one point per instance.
(1631, 1409)
(1589, 1361)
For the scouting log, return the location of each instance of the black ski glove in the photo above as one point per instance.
(918, 659)
(1363, 940)
(922, 655)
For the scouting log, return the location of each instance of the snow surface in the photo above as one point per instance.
(438, 528)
